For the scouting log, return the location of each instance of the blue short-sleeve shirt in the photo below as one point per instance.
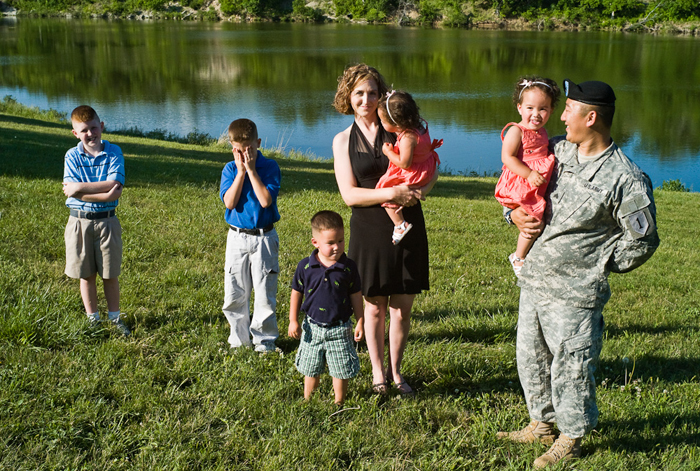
(327, 290)
(81, 167)
(248, 213)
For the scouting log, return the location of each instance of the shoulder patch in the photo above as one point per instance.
(635, 215)
(638, 223)
(634, 203)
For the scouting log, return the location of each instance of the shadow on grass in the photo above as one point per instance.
(486, 333)
(287, 344)
(41, 156)
(666, 429)
(28, 154)
(623, 330)
(673, 370)
(459, 382)
(34, 155)
(34, 122)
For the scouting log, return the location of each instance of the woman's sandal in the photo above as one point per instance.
(404, 389)
(404, 227)
(380, 388)
(512, 258)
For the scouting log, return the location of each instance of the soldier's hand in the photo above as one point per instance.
(529, 227)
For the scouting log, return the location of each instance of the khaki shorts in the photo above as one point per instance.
(93, 246)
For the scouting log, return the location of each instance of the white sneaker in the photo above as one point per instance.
(119, 324)
(267, 349)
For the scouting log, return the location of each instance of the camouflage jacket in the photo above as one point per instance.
(600, 218)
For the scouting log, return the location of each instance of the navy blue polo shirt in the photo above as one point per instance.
(327, 290)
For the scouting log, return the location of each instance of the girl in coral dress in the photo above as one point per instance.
(527, 161)
(412, 160)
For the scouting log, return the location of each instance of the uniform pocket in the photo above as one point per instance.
(582, 199)
(578, 343)
(582, 353)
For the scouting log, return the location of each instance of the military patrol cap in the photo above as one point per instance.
(591, 93)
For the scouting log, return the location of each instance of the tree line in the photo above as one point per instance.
(679, 16)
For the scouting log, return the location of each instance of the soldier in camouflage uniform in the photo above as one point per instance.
(600, 218)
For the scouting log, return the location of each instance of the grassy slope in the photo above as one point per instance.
(172, 396)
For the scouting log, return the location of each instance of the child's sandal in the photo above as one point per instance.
(400, 231)
(512, 258)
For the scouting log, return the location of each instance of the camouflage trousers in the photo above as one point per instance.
(557, 350)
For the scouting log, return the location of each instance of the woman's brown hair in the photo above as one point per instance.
(351, 78)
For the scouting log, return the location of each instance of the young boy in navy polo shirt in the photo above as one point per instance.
(93, 178)
(329, 284)
(249, 188)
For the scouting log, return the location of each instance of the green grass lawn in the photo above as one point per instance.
(173, 396)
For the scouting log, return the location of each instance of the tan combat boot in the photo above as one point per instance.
(563, 449)
(537, 431)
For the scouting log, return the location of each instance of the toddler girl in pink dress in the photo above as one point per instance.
(527, 161)
(412, 160)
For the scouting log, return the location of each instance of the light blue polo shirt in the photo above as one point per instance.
(80, 166)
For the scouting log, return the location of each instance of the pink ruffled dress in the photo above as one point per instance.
(422, 169)
(513, 190)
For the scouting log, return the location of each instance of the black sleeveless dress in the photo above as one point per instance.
(385, 268)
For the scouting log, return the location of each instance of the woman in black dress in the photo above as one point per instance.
(392, 275)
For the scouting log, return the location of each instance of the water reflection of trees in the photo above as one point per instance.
(459, 77)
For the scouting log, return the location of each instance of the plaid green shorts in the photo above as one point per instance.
(334, 346)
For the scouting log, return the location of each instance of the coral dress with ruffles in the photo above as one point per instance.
(422, 169)
(515, 191)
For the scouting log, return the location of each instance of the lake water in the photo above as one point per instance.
(187, 76)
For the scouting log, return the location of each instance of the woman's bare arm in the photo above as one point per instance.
(352, 194)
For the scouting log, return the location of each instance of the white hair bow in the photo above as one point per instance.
(527, 84)
(388, 95)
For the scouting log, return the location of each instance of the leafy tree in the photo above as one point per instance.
(680, 9)
(453, 14)
(241, 7)
(429, 12)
